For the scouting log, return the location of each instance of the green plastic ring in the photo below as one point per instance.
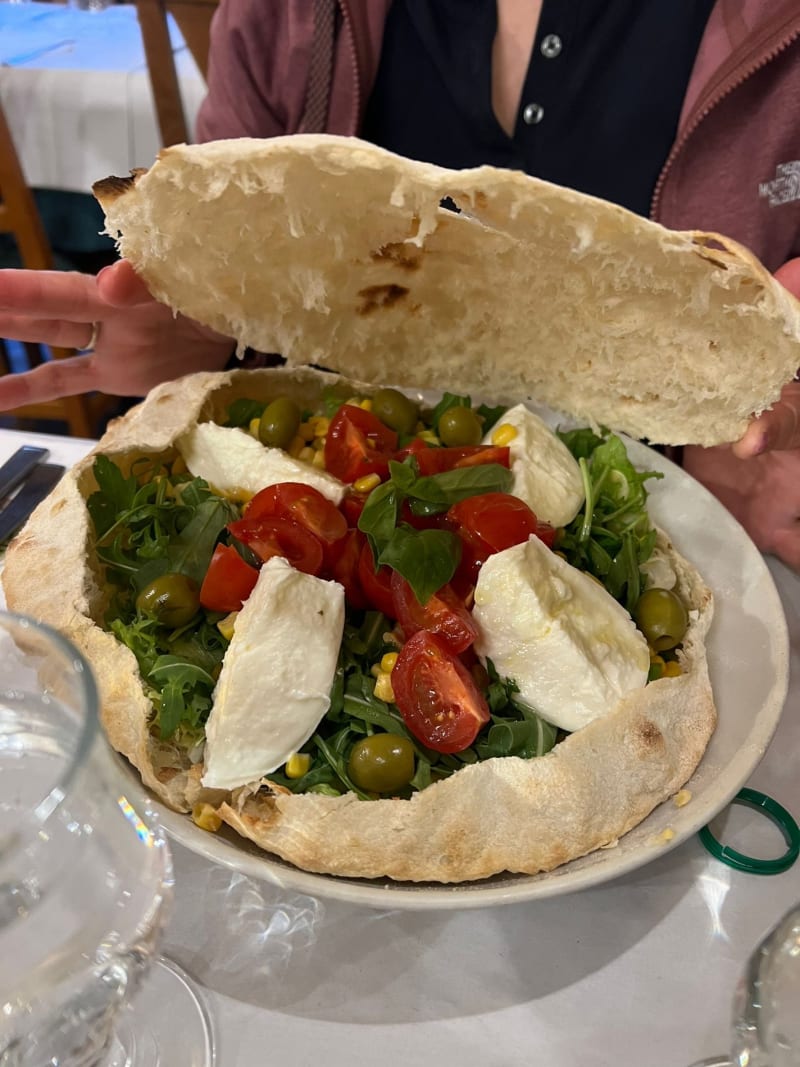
(776, 814)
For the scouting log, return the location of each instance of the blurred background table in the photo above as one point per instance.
(77, 96)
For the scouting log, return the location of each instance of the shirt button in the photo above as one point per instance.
(551, 46)
(533, 114)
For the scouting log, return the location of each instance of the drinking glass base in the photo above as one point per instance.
(166, 1023)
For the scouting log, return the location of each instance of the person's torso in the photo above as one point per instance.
(600, 102)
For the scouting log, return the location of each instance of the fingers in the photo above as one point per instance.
(775, 430)
(120, 286)
(50, 294)
(57, 332)
(789, 276)
(50, 381)
(786, 546)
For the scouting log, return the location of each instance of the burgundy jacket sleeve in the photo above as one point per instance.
(258, 69)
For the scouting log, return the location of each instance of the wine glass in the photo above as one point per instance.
(85, 881)
(766, 1006)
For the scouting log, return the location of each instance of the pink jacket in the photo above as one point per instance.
(734, 168)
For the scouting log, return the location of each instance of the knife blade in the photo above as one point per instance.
(44, 477)
(18, 467)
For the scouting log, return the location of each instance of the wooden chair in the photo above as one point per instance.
(194, 21)
(19, 218)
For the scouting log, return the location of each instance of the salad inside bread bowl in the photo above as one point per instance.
(380, 638)
(480, 704)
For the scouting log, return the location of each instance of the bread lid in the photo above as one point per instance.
(332, 251)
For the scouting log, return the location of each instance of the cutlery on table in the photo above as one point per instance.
(38, 479)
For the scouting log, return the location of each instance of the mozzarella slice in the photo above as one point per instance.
(235, 464)
(276, 678)
(570, 647)
(546, 476)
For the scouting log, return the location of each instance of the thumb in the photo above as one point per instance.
(120, 286)
(789, 276)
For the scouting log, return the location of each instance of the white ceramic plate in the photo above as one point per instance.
(748, 654)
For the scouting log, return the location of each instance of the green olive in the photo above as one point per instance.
(460, 426)
(662, 618)
(279, 423)
(173, 599)
(381, 763)
(395, 410)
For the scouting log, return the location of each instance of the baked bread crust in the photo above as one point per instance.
(501, 814)
(331, 251)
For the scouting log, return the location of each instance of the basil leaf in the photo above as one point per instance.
(379, 517)
(450, 487)
(427, 559)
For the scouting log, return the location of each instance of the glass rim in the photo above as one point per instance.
(11, 621)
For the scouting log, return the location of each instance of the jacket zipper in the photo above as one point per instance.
(347, 27)
(713, 101)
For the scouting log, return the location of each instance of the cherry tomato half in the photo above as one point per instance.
(302, 504)
(342, 564)
(438, 460)
(491, 522)
(357, 443)
(436, 695)
(444, 615)
(280, 537)
(229, 581)
(377, 586)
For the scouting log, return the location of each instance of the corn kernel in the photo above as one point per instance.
(667, 835)
(672, 669)
(388, 661)
(253, 426)
(367, 483)
(296, 446)
(320, 424)
(179, 465)
(306, 454)
(319, 460)
(297, 764)
(204, 816)
(383, 688)
(226, 625)
(306, 430)
(682, 798)
(318, 443)
(504, 434)
(354, 401)
(375, 670)
(655, 658)
(429, 437)
(366, 404)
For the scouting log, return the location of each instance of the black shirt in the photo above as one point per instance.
(600, 103)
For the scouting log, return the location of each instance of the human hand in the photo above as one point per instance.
(758, 477)
(139, 344)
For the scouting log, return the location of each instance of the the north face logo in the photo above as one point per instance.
(784, 187)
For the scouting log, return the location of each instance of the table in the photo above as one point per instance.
(76, 92)
(638, 972)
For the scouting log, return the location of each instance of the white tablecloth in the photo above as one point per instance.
(636, 973)
(76, 92)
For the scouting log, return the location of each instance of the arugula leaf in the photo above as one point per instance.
(243, 410)
(115, 493)
(491, 415)
(611, 537)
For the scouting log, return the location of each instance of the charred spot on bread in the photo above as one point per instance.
(405, 256)
(375, 297)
